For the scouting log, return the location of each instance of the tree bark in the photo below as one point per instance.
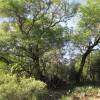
(79, 74)
(83, 60)
(36, 60)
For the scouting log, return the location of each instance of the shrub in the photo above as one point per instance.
(24, 89)
(81, 93)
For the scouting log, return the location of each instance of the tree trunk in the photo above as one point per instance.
(36, 58)
(85, 55)
(79, 74)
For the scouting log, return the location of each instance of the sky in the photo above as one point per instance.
(73, 21)
(77, 1)
(3, 19)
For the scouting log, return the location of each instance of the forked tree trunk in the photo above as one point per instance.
(83, 60)
(79, 74)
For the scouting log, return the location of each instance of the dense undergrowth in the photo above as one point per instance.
(13, 88)
(23, 88)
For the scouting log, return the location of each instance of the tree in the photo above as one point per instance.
(90, 32)
(34, 30)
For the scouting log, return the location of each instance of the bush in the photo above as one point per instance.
(81, 93)
(22, 89)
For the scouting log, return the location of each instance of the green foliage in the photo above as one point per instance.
(88, 24)
(33, 31)
(66, 98)
(4, 68)
(91, 13)
(81, 38)
(12, 88)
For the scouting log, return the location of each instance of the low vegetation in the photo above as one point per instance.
(12, 88)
